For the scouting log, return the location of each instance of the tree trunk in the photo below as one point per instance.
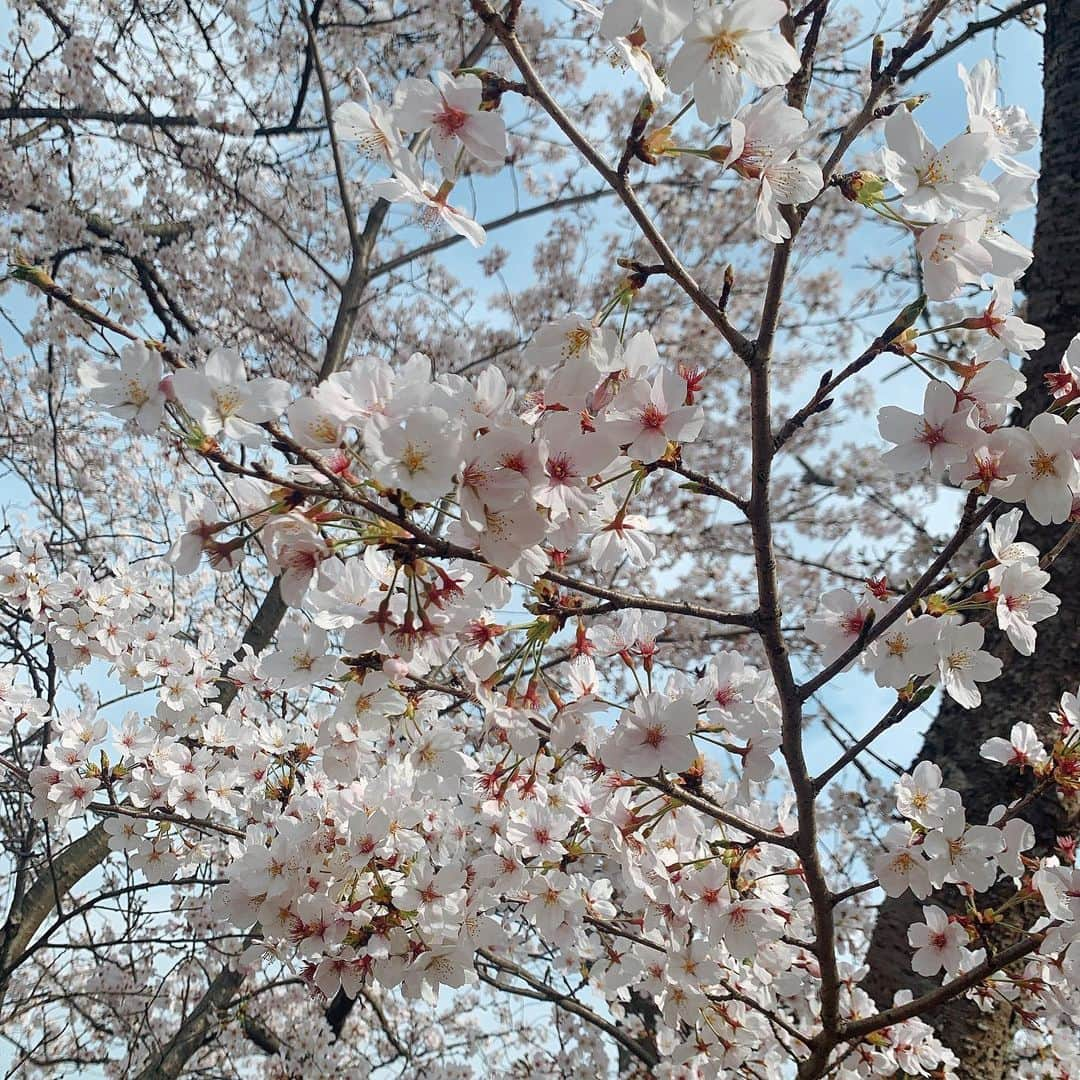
(1030, 687)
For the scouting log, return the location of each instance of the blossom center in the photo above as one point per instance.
(413, 458)
(957, 661)
(227, 401)
(897, 645)
(577, 340)
(934, 173)
(653, 417)
(559, 468)
(136, 392)
(450, 121)
(1043, 464)
(723, 48)
(931, 436)
(654, 736)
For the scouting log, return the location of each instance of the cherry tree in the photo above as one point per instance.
(467, 478)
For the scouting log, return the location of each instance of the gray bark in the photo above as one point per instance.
(1030, 687)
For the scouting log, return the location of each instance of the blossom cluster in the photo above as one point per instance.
(462, 746)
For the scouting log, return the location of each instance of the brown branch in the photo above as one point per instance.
(541, 991)
(972, 30)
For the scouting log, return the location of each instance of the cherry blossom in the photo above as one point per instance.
(409, 185)
(936, 183)
(938, 943)
(450, 109)
(653, 735)
(838, 623)
(503, 673)
(420, 455)
(1023, 747)
(1008, 332)
(953, 255)
(725, 43)
(662, 20)
(1021, 602)
(1009, 127)
(1001, 539)
(220, 398)
(920, 796)
(646, 418)
(906, 649)
(132, 391)
(1043, 471)
(939, 437)
(962, 663)
(902, 866)
(765, 136)
(369, 124)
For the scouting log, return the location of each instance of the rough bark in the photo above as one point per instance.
(1029, 687)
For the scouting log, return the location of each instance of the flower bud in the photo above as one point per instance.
(657, 142)
(862, 186)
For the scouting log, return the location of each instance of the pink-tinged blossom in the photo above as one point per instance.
(838, 622)
(1022, 601)
(619, 537)
(1006, 331)
(201, 526)
(723, 45)
(537, 833)
(645, 418)
(295, 551)
(654, 735)
(1064, 383)
(1044, 473)
(408, 184)
(765, 136)
(449, 109)
(629, 43)
(1023, 748)
(938, 943)
(745, 925)
(569, 457)
(994, 387)
(937, 437)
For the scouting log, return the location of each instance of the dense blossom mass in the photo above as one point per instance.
(465, 756)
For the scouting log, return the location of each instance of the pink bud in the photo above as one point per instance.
(395, 668)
